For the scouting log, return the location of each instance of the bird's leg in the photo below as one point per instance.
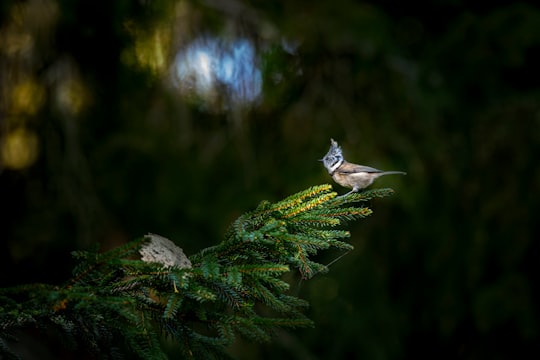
(350, 192)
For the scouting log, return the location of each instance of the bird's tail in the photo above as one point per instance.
(393, 172)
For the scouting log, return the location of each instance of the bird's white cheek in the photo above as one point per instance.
(335, 166)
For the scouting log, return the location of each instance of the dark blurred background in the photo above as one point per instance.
(119, 118)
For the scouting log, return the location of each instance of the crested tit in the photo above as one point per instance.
(353, 176)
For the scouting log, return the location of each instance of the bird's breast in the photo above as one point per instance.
(353, 180)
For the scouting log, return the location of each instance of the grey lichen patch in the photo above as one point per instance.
(163, 251)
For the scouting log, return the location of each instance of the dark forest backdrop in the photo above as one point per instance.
(174, 117)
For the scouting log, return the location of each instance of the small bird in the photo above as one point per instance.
(355, 177)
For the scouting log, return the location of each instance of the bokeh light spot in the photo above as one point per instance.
(150, 50)
(214, 69)
(71, 96)
(19, 149)
(27, 97)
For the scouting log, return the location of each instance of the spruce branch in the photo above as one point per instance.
(135, 294)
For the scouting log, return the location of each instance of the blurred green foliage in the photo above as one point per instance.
(106, 149)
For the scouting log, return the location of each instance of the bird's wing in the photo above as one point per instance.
(348, 168)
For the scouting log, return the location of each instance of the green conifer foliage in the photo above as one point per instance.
(117, 303)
